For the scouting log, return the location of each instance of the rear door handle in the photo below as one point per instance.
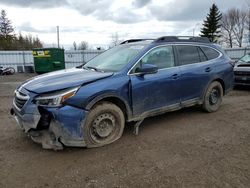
(208, 69)
(175, 76)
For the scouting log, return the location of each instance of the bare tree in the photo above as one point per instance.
(240, 25)
(227, 27)
(234, 27)
(115, 39)
(248, 24)
(83, 45)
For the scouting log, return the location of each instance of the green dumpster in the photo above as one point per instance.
(48, 59)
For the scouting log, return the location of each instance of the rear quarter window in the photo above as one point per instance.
(210, 53)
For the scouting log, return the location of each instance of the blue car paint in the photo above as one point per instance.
(70, 120)
(60, 80)
(144, 89)
(141, 95)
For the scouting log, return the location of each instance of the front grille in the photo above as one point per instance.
(242, 73)
(20, 99)
(244, 65)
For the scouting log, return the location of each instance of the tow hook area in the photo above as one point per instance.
(46, 138)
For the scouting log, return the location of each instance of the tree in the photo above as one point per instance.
(6, 28)
(74, 45)
(248, 22)
(234, 27)
(83, 45)
(240, 25)
(227, 27)
(6, 31)
(115, 39)
(8, 39)
(211, 26)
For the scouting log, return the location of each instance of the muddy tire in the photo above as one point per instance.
(213, 97)
(104, 125)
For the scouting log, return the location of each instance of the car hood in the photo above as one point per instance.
(62, 79)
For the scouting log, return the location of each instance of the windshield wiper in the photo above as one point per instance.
(93, 68)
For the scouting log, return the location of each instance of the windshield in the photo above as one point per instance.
(115, 59)
(245, 59)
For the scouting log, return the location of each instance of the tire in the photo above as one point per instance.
(213, 97)
(104, 125)
(11, 70)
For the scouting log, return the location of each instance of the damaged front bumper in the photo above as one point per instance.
(51, 127)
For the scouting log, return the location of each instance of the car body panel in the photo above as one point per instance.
(154, 91)
(60, 80)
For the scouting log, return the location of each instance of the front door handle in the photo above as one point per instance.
(208, 69)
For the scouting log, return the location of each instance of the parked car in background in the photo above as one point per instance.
(242, 71)
(88, 106)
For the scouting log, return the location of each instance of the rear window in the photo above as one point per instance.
(210, 53)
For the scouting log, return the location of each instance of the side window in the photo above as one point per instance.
(188, 54)
(202, 55)
(210, 53)
(162, 57)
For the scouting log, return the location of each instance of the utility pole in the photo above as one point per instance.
(57, 29)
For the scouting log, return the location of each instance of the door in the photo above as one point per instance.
(195, 71)
(154, 91)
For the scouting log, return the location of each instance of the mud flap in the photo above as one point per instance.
(136, 127)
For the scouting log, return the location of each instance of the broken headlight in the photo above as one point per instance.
(55, 99)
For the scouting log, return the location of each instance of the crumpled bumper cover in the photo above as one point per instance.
(65, 125)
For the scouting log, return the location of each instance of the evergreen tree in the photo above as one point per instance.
(8, 39)
(6, 32)
(211, 26)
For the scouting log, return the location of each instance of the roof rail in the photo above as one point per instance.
(182, 39)
(134, 40)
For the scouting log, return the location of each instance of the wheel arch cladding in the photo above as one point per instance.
(122, 104)
(222, 84)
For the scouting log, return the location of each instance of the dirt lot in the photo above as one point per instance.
(187, 148)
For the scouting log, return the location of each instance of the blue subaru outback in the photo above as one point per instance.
(88, 106)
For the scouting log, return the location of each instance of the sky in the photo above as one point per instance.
(96, 21)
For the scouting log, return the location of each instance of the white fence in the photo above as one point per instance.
(73, 58)
(23, 59)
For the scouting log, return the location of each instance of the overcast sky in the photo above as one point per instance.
(95, 21)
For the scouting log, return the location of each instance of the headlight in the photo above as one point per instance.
(55, 99)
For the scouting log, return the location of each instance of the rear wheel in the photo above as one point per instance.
(104, 125)
(213, 97)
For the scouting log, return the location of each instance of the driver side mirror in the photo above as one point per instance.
(147, 69)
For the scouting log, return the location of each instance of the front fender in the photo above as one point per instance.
(110, 95)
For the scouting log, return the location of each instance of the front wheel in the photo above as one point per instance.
(104, 125)
(213, 97)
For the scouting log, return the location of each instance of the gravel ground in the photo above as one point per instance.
(186, 148)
